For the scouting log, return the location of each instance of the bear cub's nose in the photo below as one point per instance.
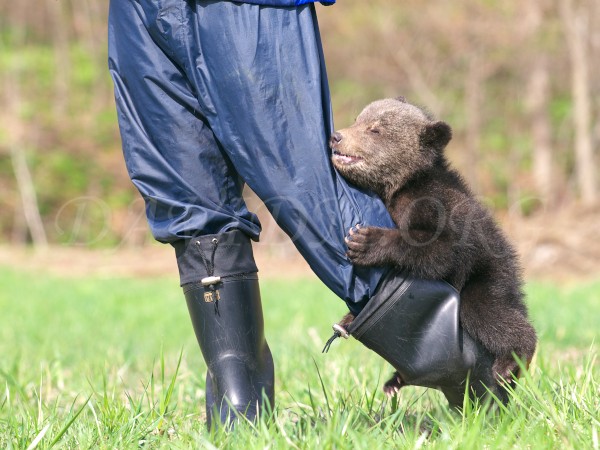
(335, 139)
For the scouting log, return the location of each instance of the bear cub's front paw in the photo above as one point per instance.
(365, 246)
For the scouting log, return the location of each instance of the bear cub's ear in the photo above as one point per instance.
(437, 135)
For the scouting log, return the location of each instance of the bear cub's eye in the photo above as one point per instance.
(374, 130)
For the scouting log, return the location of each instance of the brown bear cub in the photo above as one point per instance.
(396, 150)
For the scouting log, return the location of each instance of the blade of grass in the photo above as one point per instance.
(166, 400)
(39, 437)
(69, 423)
(323, 388)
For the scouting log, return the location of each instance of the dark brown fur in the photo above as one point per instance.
(397, 150)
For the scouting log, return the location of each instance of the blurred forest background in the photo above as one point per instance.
(518, 81)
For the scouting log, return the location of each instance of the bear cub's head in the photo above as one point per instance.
(390, 142)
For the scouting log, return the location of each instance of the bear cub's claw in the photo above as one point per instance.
(393, 385)
(505, 369)
(364, 246)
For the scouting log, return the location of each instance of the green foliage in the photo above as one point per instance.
(98, 363)
(447, 56)
(349, 98)
(70, 139)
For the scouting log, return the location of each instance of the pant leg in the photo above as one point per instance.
(186, 178)
(258, 78)
(260, 75)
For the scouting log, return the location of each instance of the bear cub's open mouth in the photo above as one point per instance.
(346, 159)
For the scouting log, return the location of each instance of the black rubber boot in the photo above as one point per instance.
(414, 325)
(226, 312)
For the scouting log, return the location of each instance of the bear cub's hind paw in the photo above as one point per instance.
(505, 369)
(393, 385)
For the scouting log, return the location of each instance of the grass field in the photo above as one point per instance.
(95, 363)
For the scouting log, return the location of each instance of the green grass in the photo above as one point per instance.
(113, 363)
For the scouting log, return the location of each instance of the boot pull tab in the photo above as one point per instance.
(338, 331)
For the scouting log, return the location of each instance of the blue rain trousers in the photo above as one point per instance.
(286, 2)
(214, 94)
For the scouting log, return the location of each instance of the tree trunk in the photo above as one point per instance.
(61, 27)
(12, 105)
(538, 104)
(576, 30)
(543, 171)
(28, 197)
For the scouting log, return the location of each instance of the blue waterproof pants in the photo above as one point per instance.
(215, 94)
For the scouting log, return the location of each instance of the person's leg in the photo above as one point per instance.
(194, 201)
(179, 78)
(187, 180)
(260, 78)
